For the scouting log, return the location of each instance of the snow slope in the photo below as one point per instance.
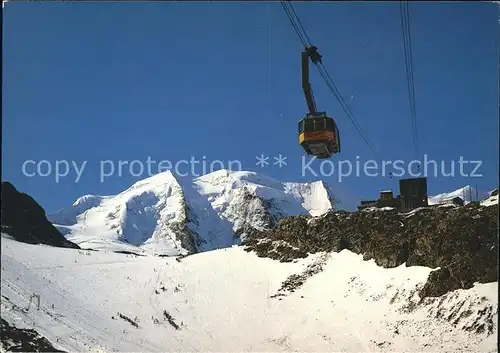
(170, 215)
(223, 301)
(490, 201)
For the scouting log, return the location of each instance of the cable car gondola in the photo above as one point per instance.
(318, 133)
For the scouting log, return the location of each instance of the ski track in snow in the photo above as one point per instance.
(223, 303)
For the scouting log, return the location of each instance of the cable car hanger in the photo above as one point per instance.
(318, 133)
(312, 53)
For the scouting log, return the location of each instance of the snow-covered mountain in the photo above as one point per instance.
(169, 215)
(230, 300)
(467, 193)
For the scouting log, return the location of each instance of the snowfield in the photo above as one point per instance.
(490, 201)
(225, 300)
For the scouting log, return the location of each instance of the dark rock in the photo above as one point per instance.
(170, 320)
(24, 219)
(126, 252)
(190, 240)
(462, 241)
(23, 340)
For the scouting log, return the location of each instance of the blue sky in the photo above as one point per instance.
(170, 81)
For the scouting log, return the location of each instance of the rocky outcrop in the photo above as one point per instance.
(24, 219)
(23, 340)
(189, 238)
(252, 213)
(461, 241)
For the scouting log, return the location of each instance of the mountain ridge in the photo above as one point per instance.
(170, 215)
